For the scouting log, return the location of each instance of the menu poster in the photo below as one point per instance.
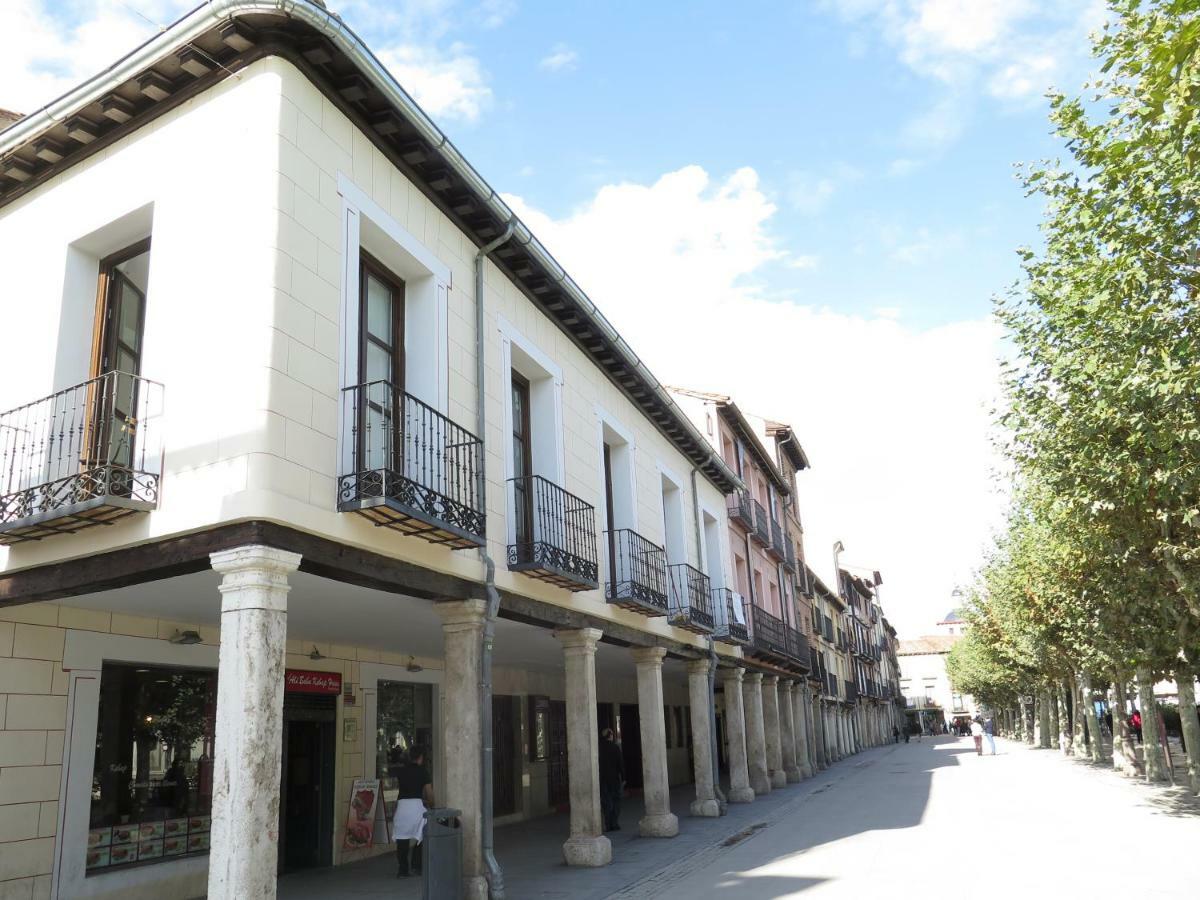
(360, 822)
(150, 849)
(99, 837)
(173, 846)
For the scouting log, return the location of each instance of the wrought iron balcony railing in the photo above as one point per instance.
(88, 455)
(730, 617)
(409, 468)
(797, 646)
(637, 577)
(691, 599)
(554, 535)
(762, 526)
(741, 509)
(767, 633)
(789, 560)
(776, 548)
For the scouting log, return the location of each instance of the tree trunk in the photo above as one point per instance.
(1043, 720)
(1029, 717)
(1065, 736)
(1055, 736)
(1151, 748)
(1088, 704)
(1124, 757)
(1078, 738)
(1190, 724)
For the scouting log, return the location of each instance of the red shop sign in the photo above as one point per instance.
(302, 681)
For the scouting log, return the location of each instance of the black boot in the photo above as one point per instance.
(401, 859)
(418, 858)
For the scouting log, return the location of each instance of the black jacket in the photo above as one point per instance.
(612, 763)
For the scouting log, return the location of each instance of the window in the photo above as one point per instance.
(539, 728)
(153, 774)
(672, 506)
(522, 463)
(403, 722)
(381, 325)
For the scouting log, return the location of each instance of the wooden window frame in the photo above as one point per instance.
(369, 266)
(520, 383)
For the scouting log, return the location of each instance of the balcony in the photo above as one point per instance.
(88, 455)
(777, 549)
(851, 695)
(691, 599)
(767, 633)
(789, 560)
(741, 509)
(638, 576)
(733, 628)
(762, 527)
(555, 535)
(797, 646)
(409, 468)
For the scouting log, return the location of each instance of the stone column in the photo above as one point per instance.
(701, 701)
(243, 857)
(772, 731)
(816, 712)
(462, 633)
(586, 845)
(756, 738)
(787, 731)
(800, 717)
(659, 821)
(735, 729)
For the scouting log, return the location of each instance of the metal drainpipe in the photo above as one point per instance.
(712, 662)
(492, 870)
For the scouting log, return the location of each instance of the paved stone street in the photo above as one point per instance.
(925, 818)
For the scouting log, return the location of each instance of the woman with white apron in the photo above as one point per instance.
(408, 823)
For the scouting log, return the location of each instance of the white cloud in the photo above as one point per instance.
(1011, 50)
(803, 261)
(895, 419)
(560, 59)
(449, 85)
(809, 193)
(58, 49)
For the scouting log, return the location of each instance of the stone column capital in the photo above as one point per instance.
(254, 558)
(698, 666)
(770, 680)
(254, 577)
(755, 678)
(732, 675)
(786, 685)
(648, 656)
(461, 615)
(579, 640)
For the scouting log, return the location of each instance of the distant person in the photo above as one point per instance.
(895, 735)
(612, 780)
(1135, 722)
(408, 822)
(989, 732)
(977, 736)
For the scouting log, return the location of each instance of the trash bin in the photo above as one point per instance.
(443, 878)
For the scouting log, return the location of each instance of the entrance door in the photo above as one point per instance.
(559, 788)
(504, 781)
(631, 744)
(306, 787)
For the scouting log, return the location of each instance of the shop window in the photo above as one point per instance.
(152, 778)
(539, 728)
(404, 723)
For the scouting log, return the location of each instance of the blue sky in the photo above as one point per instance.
(807, 206)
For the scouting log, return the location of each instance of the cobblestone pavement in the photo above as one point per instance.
(924, 819)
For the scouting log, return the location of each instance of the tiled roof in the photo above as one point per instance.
(930, 643)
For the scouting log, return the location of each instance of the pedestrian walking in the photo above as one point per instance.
(989, 732)
(1135, 722)
(977, 736)
(895, 735)
(612, 780)
(408, 822)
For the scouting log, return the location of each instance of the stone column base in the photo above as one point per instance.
(708, 808)
(741, 795)
(663, 825)
(792, 775)
(475, 888)
(806, 771)
(778, 779)
(590, 852)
